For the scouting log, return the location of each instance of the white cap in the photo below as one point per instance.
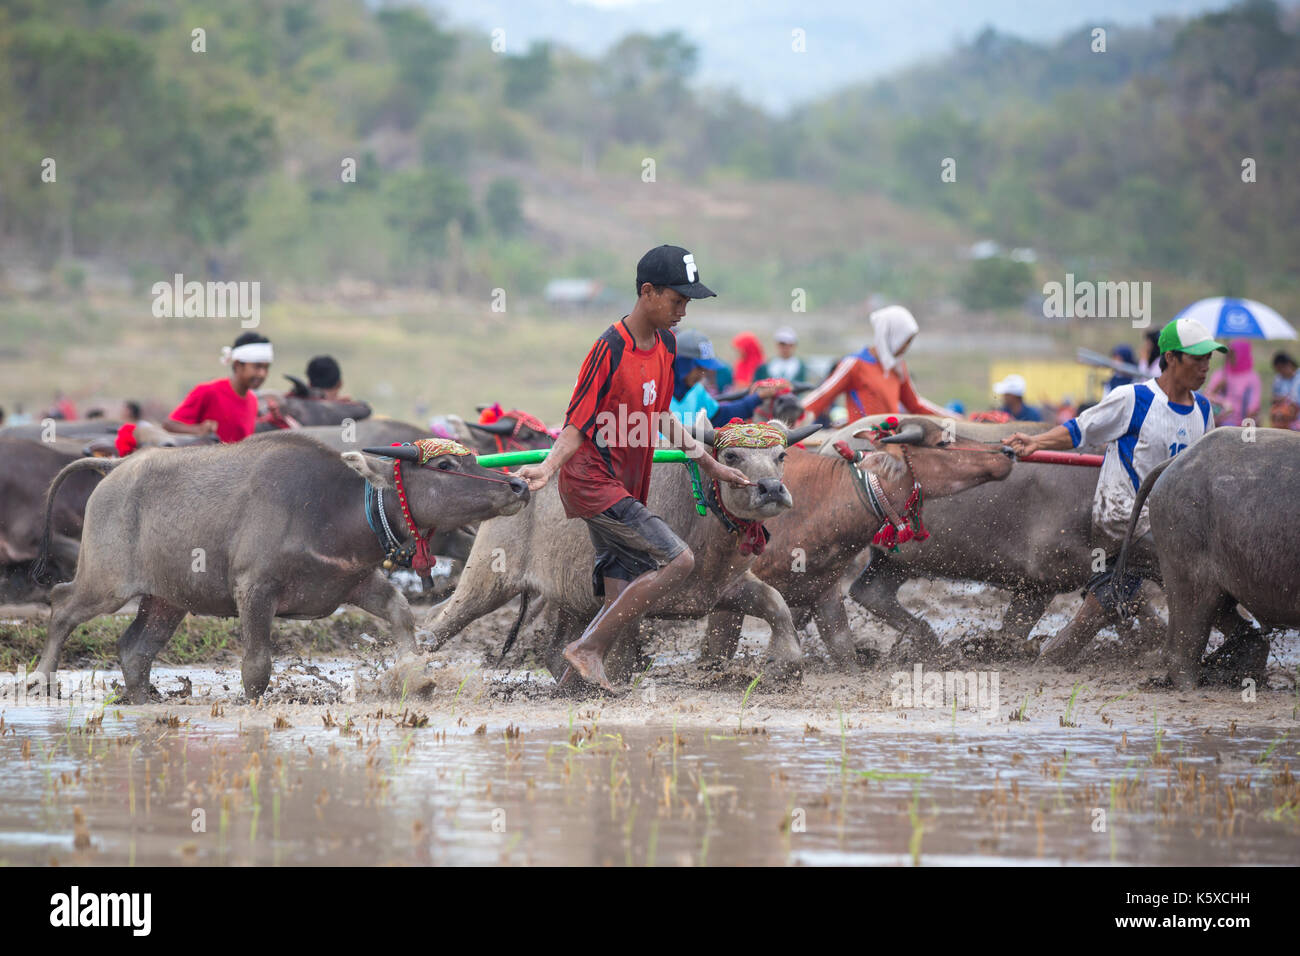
(786, 335)
(1011, 385)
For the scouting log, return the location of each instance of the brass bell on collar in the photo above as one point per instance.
(388, 564)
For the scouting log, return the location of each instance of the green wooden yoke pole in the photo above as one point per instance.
(510, 459)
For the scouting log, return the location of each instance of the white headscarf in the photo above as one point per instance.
(892, 326)
(254, 352)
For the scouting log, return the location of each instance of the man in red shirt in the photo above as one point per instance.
(605, 450)
(227, 406)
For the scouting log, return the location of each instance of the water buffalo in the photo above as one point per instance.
(27, 466)
(1226, 531)
(274, 526)
(513, 431)
(541, 554)
(454, 543)
(1029, 534)
(814, 544)
(58, 428)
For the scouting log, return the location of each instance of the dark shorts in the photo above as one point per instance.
(630, 540)
(1115, 595)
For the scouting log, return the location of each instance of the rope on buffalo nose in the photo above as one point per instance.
(422, 560)
(737, 434)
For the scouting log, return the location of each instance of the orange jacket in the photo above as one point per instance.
(869, 390)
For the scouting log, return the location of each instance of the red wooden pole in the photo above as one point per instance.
(1064, 458)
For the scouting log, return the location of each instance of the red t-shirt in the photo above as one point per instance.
(235, 417)
(620, 393)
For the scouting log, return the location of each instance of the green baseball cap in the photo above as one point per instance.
(1188, 335)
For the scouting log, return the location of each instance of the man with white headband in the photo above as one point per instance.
(227, 407)
(874, 381)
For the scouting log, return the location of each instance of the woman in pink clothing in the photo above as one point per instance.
(1236, 386)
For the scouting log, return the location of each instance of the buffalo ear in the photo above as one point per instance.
(795, 435)
(361, 465)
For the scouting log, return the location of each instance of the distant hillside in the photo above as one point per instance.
(308, 143)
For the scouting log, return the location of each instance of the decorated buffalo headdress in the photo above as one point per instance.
(433, 447)
(742, 434)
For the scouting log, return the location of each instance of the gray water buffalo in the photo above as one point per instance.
(1030, 534)
(288, 410)
(541, 554)
(453, 543)
(814, 544)
(27, 466)
(1227, 531)
(56, 429)
(513, 431)
(274, 526)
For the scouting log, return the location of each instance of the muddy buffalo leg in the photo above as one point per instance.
(71, 604)
(1192, 606)
(751, 596)
(1243, 653)
(377, 595)
(876, 589)
(476, 594)
(256, 614)
(568, 626)
(722, 635)
(833, 625)
(1025, 610)
(140, 643)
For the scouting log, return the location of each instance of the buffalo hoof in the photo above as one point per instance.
(149, 694)
(782, 671)
(1240, 657)
(406, 679)
(912, 650)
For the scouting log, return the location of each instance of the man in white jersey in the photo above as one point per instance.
(1141, 425)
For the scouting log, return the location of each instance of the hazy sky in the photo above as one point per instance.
(746, 44)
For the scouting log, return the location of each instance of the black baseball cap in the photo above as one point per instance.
(673, 267)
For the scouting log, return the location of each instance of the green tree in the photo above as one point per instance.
(422, 203)
(217, 156)
(529, 75)
(503, 205)
(421, 52)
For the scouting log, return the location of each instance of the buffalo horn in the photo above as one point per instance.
(907, 435)
(502, 426)
(796, 435)
(404, 452)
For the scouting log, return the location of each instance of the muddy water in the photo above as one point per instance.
(148, 786)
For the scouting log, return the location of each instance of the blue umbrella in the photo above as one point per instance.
(1230, 318)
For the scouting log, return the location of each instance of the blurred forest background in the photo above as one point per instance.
(479, 170)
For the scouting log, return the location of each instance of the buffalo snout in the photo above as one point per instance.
(769, 488)
(519, 487)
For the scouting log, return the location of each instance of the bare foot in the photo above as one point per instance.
(588, 665)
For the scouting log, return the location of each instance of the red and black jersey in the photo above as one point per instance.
(616, 404)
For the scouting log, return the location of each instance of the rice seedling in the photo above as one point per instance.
(918, 827)
(1268, 753)
(740, 717)
(1066, 719)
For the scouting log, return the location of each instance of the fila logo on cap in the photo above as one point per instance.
(691, 271)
